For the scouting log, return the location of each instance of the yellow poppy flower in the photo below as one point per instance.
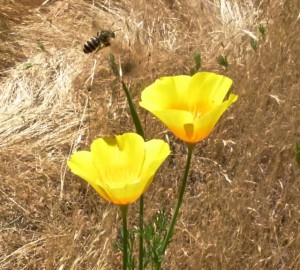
(120, 168)
(189, 106)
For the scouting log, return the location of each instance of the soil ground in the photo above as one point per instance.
(241, 208)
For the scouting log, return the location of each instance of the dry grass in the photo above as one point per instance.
(241, 209)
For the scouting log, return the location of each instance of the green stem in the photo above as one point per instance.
(134, 114)
(140, 131)
(124, 210)
(179, 201)
(141, 235)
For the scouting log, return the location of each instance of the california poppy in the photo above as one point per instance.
(189, 106)
(120, 168)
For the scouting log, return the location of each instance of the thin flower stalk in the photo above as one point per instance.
(124, 211)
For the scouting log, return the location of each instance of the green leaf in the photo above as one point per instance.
(253, 43)
(197, 66)
(262, 29)
(222, 60)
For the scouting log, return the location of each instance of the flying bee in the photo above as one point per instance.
(100, 41)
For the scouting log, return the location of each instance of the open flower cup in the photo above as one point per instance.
(120, 168)
(189, 106)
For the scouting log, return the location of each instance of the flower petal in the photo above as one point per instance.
(205, 124)
(208, 87)
(165, 92)
(126, 194)
(156, 152)
(175, 120)
(81, 164)
(118, 160)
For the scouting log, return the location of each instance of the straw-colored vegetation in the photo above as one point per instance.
(241, 209)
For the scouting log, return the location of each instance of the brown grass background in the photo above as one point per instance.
(241, 208)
